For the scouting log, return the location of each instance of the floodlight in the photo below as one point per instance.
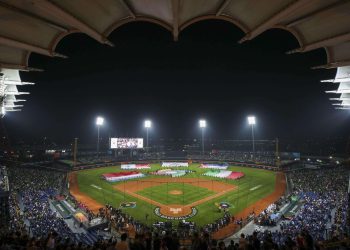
(251, 120)
(148, 124)
(202, 125)
(99, 121)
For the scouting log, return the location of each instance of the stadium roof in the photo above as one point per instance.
(9, 80)
(37, 26)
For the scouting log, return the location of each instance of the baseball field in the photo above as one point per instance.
(160, 198)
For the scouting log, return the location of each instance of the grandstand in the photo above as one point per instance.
(311, 195)
(4, 197)
(172, 195)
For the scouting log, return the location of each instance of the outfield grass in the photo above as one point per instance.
(254, 186)
(189, 195)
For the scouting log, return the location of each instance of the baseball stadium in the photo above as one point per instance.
(192, 127)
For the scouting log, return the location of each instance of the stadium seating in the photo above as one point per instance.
(320, 219)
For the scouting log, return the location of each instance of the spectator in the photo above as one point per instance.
(122, 244)
(242, 242)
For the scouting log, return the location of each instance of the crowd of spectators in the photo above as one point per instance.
(324, 193)
(271, 215)
(322, 215)
(3, 179)
(259, 157)
(264, 158)
(122, 222)
(51, 240)
(34, 225)
(30, 190)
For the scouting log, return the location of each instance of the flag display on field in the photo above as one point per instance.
(222, 166)
(174, 164)
(122, 176)
(224, 174)
(135, 166)
(171, 172)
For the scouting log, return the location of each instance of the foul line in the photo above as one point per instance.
(256, 187)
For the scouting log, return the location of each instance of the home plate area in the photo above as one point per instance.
(175, 212)
(175, 198)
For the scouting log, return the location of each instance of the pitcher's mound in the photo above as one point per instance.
(175, 192)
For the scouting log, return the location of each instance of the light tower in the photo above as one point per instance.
(202, 125)
(252, 122)
(99, 123)
(148, 125)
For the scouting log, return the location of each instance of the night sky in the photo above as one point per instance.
(206, 74)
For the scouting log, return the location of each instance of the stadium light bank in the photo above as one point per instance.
(99, 122)
(148, 125)
(202, 125)
(252, 122)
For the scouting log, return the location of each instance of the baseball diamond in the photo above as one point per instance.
(174, 198)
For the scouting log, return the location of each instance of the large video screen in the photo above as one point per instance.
(126, 142)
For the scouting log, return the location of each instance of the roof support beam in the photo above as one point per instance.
(175, 8)
(19, 67)
(339, 99)
(336, 80)
(222, 7)
(332, 65)
(289, 9)
(31, 15)
(58, 12)
(127, 7)
(30, 47)
(345, 108)
(317, 12)
(323, 43)
(13, 110)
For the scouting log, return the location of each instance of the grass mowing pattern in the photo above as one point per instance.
(189, 195)
(239, 198)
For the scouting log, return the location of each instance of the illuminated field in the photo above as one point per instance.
(255, 185)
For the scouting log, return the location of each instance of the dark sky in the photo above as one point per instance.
(205, 74)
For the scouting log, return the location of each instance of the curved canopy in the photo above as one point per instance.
(38, 25)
